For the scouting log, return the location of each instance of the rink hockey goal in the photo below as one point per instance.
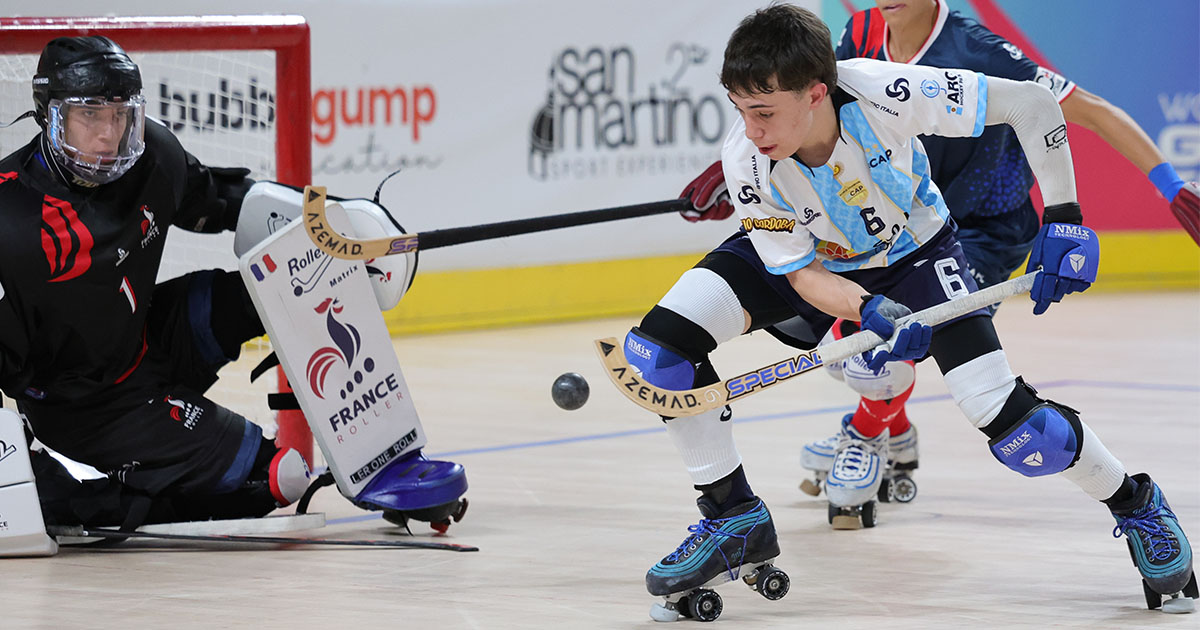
(235, 90)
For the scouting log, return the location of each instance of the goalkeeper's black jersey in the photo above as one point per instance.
(78, 266)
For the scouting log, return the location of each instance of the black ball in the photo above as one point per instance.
(570, 391)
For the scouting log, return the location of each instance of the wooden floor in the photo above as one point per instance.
(571, 508)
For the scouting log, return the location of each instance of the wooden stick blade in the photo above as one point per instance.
(338, 245)
(664, 402)
(673, 404)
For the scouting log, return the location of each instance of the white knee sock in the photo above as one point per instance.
(705, 443)
(1097, 471)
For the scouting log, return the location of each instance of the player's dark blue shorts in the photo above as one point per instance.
(929, 276)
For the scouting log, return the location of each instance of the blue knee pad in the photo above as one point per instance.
(661, 365)
(1046, 441)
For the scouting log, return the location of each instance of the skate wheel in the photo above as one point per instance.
(1153, 598)
(810, 487)
(772, 583)
(903, 489)
(705, 605)
(682, 607)
(885, 491)
(868, 514)
(1190, 589)
(843, 518)
(659, 612)
(461, 511)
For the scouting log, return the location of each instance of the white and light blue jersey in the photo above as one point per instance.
(874, 201)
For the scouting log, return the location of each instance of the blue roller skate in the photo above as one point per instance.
(1158, 546)
(416, 488)
(719, 548)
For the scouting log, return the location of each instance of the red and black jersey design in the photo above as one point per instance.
(865, 32)
(79, 266)
(65, 239)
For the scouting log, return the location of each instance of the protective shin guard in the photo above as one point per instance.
(22, 530)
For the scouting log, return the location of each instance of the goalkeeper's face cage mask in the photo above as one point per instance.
(96, 139)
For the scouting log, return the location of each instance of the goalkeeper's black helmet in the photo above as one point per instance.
(83, 66)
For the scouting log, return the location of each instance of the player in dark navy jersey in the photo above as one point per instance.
(107, 366)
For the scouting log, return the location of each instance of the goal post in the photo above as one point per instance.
(236, 90)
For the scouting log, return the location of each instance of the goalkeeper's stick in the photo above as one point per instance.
(339, 245)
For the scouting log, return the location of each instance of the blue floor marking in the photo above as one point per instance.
(767, 417)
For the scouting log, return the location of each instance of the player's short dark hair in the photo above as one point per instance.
(782, 42)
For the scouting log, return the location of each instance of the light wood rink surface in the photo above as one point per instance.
(571, 508)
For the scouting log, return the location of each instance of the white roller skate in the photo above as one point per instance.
(898, 484)
(855, 478)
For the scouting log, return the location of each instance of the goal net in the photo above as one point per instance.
(235, 91)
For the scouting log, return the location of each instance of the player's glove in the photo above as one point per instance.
(1067, 253)
(1186, 207)
(879, 315)
(709, 196)
(1184, 197)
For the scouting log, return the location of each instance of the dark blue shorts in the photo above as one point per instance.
(924, 278)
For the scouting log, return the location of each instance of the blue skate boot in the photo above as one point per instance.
(416, 488)
(1158, 546)
(719, 547)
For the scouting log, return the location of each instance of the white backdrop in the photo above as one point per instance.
(500, 110)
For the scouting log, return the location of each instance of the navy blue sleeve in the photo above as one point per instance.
(845, 45)
(995, 56)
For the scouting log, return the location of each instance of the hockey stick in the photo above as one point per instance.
(339, 245)
(83, 532)
(689, 402)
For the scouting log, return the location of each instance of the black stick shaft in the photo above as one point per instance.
(468, 234)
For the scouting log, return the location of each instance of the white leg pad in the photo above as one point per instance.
(22, 530)
(1097, 471)
(980, 386)
(705, 443)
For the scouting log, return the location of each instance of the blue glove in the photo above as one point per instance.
(879, 315)
(1067, 253)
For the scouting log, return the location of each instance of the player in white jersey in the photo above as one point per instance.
(840, 219)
